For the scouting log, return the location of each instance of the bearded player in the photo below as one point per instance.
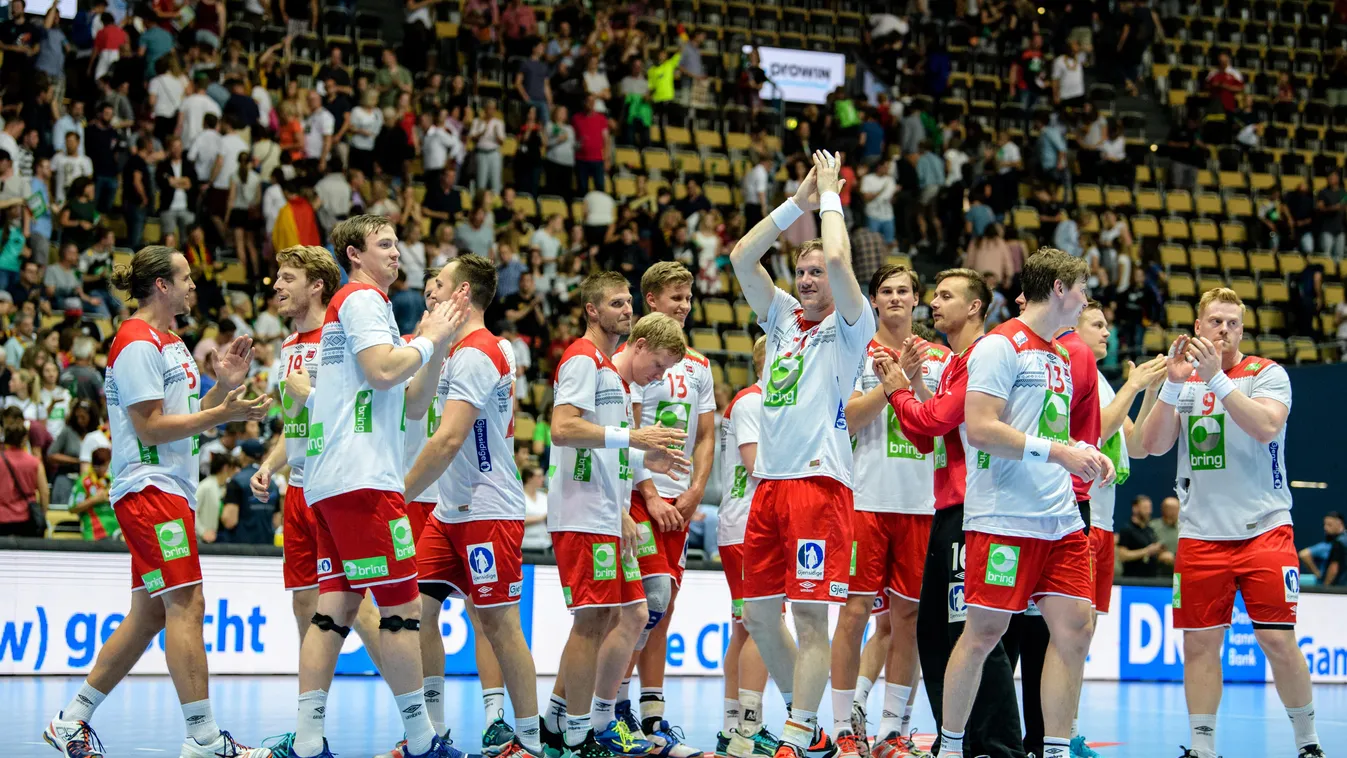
(1228, 411)
(799, 527)
(895, 502)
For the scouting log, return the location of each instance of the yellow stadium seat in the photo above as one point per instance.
(1150, 201)
(738, 341)
(1179, 313)
(716, 164)
(1232, 260)
(523, 426)
(743, 313)
(551, 205)
(1239, 206)
(1303, 350)
(737, 141)
(677, 136)
(538, 392)
(1262, 182)
(718, 193)
(1117, 197)
(1025, 218)
(1144, 226)
(1173, 255)
(717, 372)
(1182, 285)
(1204, 230)
(657, 159)
(705, 340)
(709, 139)
(1333, 294)
(1174, 228)
(718, 312)
(1209, 204)
(1270, 319)
(1089, 196)
(1275, 291)
(526, 204)
(1247, 345)
(1154, 340)
(1245, 288)
(1178, 201)
(628, 157)
(1329, 265)
(1202, 257)
(1272, 348)
(1234, 233)
(1208, 282)
(1250, 320)
(1263, 262)
(1291, 263)
(1231, 180)
(688, 161)
(738, 374)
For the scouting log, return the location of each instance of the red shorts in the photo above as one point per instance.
(477, 559)
(889, 553)
(365, 543)
(732, 561)
(799, 534)
(593, 572)
(1101, 551)
(301, 542)
(1025, 568)
(419, 514)
(1264, 569)
(160, 531)
(660, 553)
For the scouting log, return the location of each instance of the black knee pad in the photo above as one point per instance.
(326, 624)
(438, 590)
(398, 624)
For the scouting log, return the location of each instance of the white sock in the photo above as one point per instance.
(309, 730)
(601, 713)
(895, 704)
(1056, 747)
(951, 744)
(415, 722)
(863, 687)
(83, 705)
(493, 700)
(798, 734)
(1075, 728)
(577, 729)
(624, 691)
(731, 720)
(906, 728)
(200, 722)
(526, 729)
(433, 686)
(1302, 721)
(555, 716)
(1203, 730)
(750, 719)
(809, 719)
(842, 710)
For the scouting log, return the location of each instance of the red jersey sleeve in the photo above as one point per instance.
(942, 414)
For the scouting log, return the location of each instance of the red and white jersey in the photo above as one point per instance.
(299, 352)
(147, 364)
(1103, 497)
(1230, 485)
(356, 429)
(1033, 376)
(418, 432)
(686, 391)
(481, 482)
(891, 474)
(740, 427)
(812, 367)
(588, 490)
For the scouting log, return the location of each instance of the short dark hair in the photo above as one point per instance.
(352, 233)
(480, 274)
(973, 281)
(594, 286)
(1047, 267)
(895, 269)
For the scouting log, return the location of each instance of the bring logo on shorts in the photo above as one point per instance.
(1003, 562)
(605, 561)
(173, 543)
(404, 544)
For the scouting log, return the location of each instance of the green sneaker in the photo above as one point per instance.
(497, 738)
(765, 743)
(722, 745)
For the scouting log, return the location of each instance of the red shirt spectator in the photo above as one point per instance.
(1225, 82)
(110, 37)
(519, 21)
(591, 130)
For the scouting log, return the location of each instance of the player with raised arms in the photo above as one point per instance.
(799, 529)
(156, 415)
(1228, 411)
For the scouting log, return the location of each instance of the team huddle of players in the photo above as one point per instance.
(963, 494)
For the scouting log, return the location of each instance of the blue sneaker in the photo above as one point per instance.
(1080, 750)
(668, 742)
(283, 746)
(73, 737)
(440, 747)
(618, 740)
(624, 714)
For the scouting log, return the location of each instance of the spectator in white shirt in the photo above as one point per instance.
(878, 189)
(412, 256)
(757, 185)
(1068, 77)
(319, 130)
(203, 150)
(367, 120)
(438, 144)
(194, 109)
(69, 166)
(488, 132)
(535, 511)
(166, 93)
(597, 84)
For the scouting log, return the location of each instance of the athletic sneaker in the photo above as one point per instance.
(1311, 751)
(847, 746)
(617, 739)
(668, 742)
(1191, 753)
(497, 738)
(765, 743)
(723, 745)
(624, 714)
(73, 737)
(554, 743)
(516, 749)
(1080, 750)
(283, 746)
(590, 748)
(440, 747)
(223, 746)
(823, 746)
(787, 750)
(860, 729)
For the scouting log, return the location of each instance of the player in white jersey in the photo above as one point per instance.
(1228, 411)
(1025, 537)
(799, 529)
(895, 505)
(741, 733)
(354, 483)
(156, 414)
(592, 470)
(470, 547)
(306, 279)
(662, 506)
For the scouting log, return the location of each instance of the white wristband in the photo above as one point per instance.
(829, 201)
(1036, 449)
(1221, 385)
(616, 436)
(1169, 392)
(424, 346)
(785, 214)
(637, 460)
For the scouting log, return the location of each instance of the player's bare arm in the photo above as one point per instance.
(1136, 446)
(748, 455)
(570, 429)
(457, 419)
(848, 298)
(864, 407)
(989, 434)
(1161, 429)
(1114, 415)
(386, 366)
(153, 427)
(1263, 418)
(703, 458)
(746, 257)
(260, 483)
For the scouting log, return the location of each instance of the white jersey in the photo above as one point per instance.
(1103, 497)
(740, 427)
(588, 490)
(357, 430)
(481, 482)
(1230, 485)
(686, 391)
(417, 433)
(892, 476)
(147, 364)
(299, 352)
(812, 369)
(1012, 497)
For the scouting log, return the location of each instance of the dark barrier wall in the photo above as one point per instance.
(1316, 439)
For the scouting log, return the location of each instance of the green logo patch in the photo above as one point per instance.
(898, 445)
(647, 546)
(1122, 466)
(1177, 600)
(404, 544)
(1054, 421)
(941, 454)
(783, 382)
(631, 569)
(584, 465)
(605, 561)
(314, 444)
(433, 415)
(364, 412)
(154, 581)
(1206, 442)
(566, 595)
(853, 557)
(1003, 562)
(365, 568)
(984, 460)
(149, 454)
(173, 542)
(673, 414)
(740, 486)
(737, 608)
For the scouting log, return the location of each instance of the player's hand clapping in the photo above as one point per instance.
(239, 408)
(1177, 366)
(233, 362)
(806, 196)
(913, 356)
(890, 373)
(1205, 356)
(1146, 375)
(828, 168)
(657, 438)
(1085, 462)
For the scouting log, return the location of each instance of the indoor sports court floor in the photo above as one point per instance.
(142, 716)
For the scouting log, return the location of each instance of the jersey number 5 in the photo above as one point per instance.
(191, 378)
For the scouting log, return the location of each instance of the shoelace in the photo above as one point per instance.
(624, 737)
(676, 732)
(85, 734)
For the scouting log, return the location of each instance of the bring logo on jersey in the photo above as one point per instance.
(673, 414)
(1054, 422)
(1206, 442)
(898, 445)
(783, 381)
